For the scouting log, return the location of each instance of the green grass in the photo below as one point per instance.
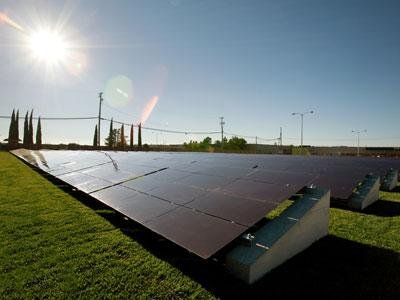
(57, 245)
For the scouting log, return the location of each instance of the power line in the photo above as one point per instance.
(135, 117)
(182, 132)
(54, 118)
(164, 130)
(120, 111)
(348, 139)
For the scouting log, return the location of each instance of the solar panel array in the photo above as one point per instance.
(200, 201)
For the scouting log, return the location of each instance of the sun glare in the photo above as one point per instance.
(48, 47)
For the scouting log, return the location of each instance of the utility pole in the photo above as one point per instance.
(222, 123)
(256, 144)
(99, 120)
(358, 139)
(280, 137)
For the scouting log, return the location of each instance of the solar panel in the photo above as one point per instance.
(85, 182)
(177, 193)
(198, 232)
(200, 201)
(242, 211)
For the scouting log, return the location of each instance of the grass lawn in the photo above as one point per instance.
(55, 244)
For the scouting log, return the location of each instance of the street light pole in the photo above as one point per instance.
(302, 122)
(358, 139)
(301, 114)
(222, 123)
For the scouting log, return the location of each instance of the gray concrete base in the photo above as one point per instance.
(301, 224)
(366, 193)
(389, 181)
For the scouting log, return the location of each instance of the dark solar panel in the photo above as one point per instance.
(177, 193)
(200, 201)
(266, 192)
(232, 208)
(85, 182)
(144, 208)
(198, 232)
(206, 182)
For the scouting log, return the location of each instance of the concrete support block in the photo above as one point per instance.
(389, 181)
(366, 193)
(301, 224)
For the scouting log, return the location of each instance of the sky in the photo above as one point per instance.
(252, 62)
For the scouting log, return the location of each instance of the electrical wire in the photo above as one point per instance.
(164, 130)
(119, 111)
(54, 118)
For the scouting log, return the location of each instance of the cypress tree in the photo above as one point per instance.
(30, 130)
(122, 137)
(39, 135)
(95, 137)
(16, 127)
(26, 131)
(131, 138)
(140, 135)
(11, 130)
(111, 141)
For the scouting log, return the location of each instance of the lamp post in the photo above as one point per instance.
(358, 139)
(302, 114)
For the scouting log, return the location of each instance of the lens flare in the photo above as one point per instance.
(7, 20)
(148, 109)
(118, 91)
(76, 63)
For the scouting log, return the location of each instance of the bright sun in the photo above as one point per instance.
(48, 47)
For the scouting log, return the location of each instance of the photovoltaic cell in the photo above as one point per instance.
(200, 201)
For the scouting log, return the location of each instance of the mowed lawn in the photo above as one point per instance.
(57, 244)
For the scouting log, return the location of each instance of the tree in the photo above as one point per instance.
(122, 142)
(110, 140)
(39, 134)
(140, 135)
(192, 145)
(117, 137)
(113, 140)
(207, 141)
(11, 130)
(114, 136)
(205, 144)
(236, 143)
(95, 137)
(219, 145)
(16, 127)
(131, 138)
(26, 131)
(30, 130)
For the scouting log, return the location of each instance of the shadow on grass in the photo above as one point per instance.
(396, 189)
(383, 208)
